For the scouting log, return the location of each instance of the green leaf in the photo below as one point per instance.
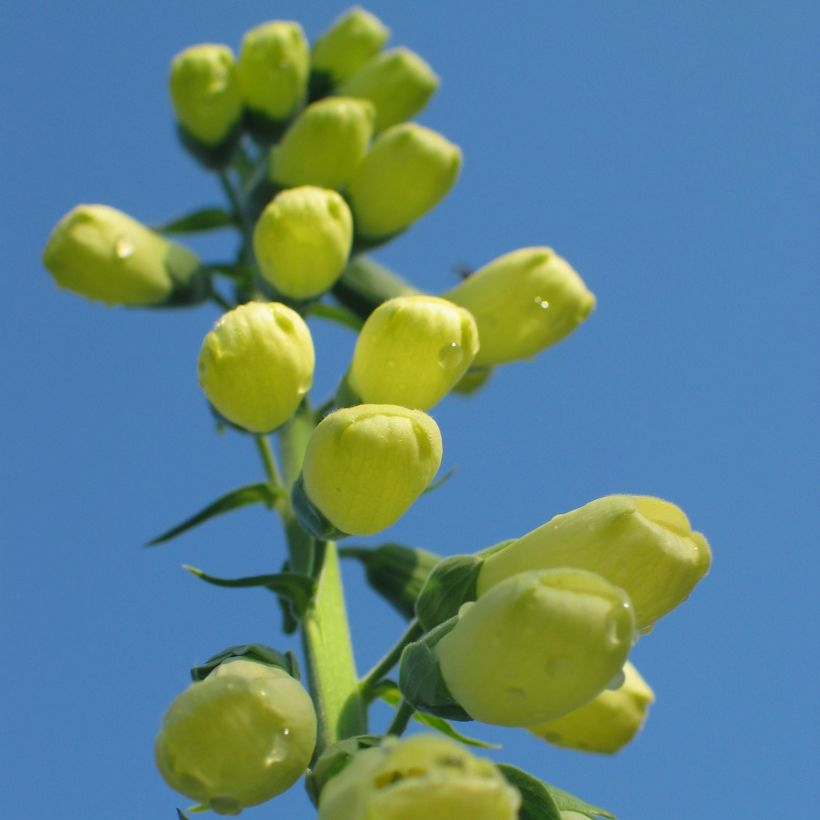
(337, 314)
(333, 759)
(181, 816)
(536, 801)
(451, 583)
(291, 585)
(204, 219)
(389, 693)
(440, 482)
(241, 497)
(569, 802)
(249, 651)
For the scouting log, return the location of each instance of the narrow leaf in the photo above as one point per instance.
(241, 497)
(204, 219)
(569, 802)
(441, 481)
(390, 694)
(295, 587)
(335, 313)
(536, 801)
(181, 816)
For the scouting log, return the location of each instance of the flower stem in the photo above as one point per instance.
(401, 719)
(377, 673)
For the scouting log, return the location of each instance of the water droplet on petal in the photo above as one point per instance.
(541, 304)
(450, 356)
(225, 805)
(618, 627)
(124, 247)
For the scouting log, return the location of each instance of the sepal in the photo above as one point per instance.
(250, 652)
(451, 583)
(310, 517)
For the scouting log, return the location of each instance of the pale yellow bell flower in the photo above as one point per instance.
(352, 40)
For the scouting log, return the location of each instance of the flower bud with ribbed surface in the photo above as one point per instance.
(205, 92)
(642, 544)
(365, 465)
(102, 253)
(536, 646)
(424, 776)
(302, 240)
(238, 738)
(412, 350)
(273, 69)
(605, 724)
(523, 302)
(325, 145)
(398, 82)
(256, 365)
(407, 172)
(352, 40)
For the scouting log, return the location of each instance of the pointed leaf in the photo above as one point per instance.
(181, 816)
(439, 482)
(389, 693)
(241, 497)
(295, 587)
(536, 801)
(569, 802)
(204, 219)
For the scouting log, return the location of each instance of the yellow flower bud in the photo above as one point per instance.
(273, 68)
(398, 82)
(205, 92)
(536, 646)
(257, 364)
(605, 724)
(423, 776)
(348, 44)
(102, 253)
(302, 240)
(412, 350)
(408, 171)
(238, 738)
(325, 145)
(642, 544)
(523, 302)
(365, 465)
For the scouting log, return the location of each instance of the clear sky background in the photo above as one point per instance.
(668, 150)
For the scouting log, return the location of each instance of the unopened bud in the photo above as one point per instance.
(238, 738)
(536, 646)
(398, 82)
(102, 253)
(407, 172)
(256, 365)
(348, 44)
(523, 302)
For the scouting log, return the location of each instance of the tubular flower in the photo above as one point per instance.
(302, 240)
(605, 724)
(273, 69)
(348, 44)
(398, 82)
(408, 171)
(523, 302)
(205, 92)
(102, 253)
(325, 145)
(421, 777)
(257, 364)
(536, 646)
(365, 465)
(238, 738)
(642, 544)
(412, 350)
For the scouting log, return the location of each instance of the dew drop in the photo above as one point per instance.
(225, 805)
(450, 356)
(618, 628)
(124, 247)
(278, 749)
(304, 385)
(541, 304)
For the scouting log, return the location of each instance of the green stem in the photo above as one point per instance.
(378, 672)
(401, 719)
(269, 461)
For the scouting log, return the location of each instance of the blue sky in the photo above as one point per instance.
(665, 150)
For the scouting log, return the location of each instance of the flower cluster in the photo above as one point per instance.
(316, 151)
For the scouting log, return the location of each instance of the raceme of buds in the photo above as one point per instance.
(424, 776)
(302, 240)
(412, 350)
(523, 302)
(348, 44)
(205, 92)
(408, 171)
(257, 364)
(642, 544)
(398, 82)
(238, 738)
(365, 465)
(102, 253)
(325, 145)
(536, 646)
(605, 724)
(273, 69)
